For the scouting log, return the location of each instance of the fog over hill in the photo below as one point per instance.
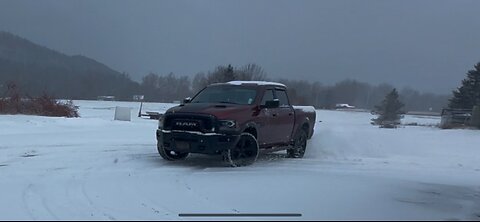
(37, 69)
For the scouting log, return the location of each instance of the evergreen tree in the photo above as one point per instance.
(389, 111)
(467, 95)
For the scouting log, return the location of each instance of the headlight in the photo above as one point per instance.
(228, 123)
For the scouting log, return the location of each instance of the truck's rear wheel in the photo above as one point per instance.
(244, 153)
(299, 145)
(171, 155)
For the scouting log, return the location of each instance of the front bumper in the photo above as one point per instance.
(195, 142)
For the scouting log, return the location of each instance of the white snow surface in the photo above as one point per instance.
(96, 168)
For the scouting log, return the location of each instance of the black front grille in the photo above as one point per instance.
(189, 122)
(186, 124)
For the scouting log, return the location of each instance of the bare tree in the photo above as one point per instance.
(229, 73)
(251, 72)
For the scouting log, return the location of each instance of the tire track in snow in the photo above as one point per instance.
(143, 171)
(196, 193)
(88, 198)
(72, 189)
(32, 195)
(99, 169)
(25, 202)
(28, 199)
(20, 157)
(180, 180)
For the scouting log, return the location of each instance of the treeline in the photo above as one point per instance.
(168, 88)
(37, 70)
(359, 94)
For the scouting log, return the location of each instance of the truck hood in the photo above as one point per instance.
(220, 110)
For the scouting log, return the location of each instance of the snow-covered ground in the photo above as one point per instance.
(96, 168)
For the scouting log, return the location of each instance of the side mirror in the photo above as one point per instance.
(187, 100)
(271, 104)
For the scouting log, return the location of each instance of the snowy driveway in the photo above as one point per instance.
(96, 168)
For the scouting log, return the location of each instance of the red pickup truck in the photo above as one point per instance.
(237, 120)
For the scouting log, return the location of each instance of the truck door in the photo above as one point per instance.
(285, 118)
(264, 120)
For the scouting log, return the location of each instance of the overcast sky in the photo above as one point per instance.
(427, 45)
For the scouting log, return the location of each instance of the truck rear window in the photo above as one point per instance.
(226, 94)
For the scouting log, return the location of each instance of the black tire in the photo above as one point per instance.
(171, 155)
(244, 153)
(299, 145)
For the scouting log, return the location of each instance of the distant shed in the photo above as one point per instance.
(455, 118)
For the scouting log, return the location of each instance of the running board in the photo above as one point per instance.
(274, 149)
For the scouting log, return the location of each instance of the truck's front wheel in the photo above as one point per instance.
(171, 155)
(244, 153)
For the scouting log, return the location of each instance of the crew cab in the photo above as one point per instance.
(237, 120)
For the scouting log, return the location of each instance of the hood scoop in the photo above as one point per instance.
(220, 106)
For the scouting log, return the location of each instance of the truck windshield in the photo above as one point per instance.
(226, 94)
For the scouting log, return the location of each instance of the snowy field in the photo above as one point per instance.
(96, 168)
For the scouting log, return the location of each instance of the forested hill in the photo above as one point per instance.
(36, 69)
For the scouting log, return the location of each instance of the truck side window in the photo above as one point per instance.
(268, 96)
(282, 96)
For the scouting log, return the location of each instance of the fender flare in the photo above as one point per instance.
(306, 120)
(251, 124)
